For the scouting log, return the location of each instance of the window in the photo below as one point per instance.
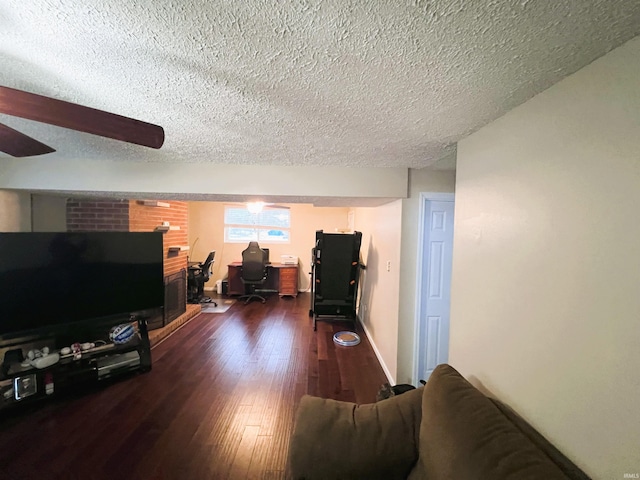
(271, 225)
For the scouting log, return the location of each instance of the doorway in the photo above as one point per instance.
(433, 285)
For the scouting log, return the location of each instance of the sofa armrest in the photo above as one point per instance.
(333, 439)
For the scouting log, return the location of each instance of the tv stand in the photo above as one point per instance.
(23, 383)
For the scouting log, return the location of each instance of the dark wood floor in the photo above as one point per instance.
(219, 402)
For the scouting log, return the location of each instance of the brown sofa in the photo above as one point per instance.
(445, 430)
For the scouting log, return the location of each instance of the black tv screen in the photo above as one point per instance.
(56, 278)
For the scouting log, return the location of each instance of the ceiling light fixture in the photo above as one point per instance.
(255, 207)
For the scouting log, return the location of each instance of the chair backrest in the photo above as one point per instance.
(206, 266)
(254, 264)
(209, 258)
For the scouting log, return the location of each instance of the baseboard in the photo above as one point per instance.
(387, 373)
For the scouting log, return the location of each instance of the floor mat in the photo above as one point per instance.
(223, 305)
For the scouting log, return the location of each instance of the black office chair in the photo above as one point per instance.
(198, 275)
(254, 271)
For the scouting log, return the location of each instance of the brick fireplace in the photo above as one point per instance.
(175, 295)
(93, 214)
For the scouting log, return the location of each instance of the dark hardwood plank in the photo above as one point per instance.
(219, 402)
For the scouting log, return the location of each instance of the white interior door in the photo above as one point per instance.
(434, 284)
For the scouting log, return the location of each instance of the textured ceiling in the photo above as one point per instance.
(335, 82)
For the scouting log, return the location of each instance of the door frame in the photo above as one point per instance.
(421, 281)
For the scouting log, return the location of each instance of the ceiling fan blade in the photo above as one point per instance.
(18, 144)
(78, 117)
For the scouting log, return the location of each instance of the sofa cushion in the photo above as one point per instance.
(463, 435)
(340, 440)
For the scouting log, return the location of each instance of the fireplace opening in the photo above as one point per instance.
(175, 296)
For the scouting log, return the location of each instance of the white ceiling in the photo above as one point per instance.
(304, 82)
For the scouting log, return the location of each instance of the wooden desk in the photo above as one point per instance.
(281, 278)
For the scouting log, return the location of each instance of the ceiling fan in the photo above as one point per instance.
(43, 109)
(257, 207)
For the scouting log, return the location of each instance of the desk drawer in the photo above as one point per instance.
(288, 281)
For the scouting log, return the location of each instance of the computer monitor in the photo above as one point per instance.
(266, 250)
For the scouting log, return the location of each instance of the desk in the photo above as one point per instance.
(281, 278)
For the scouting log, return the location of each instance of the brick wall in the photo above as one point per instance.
(97, 215)
(144, 218)
(107, 215)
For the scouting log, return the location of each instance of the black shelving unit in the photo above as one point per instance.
(106, 361)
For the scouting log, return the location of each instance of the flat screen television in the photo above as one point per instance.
(49, 279)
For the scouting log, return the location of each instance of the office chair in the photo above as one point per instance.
(198, 275)
(254, 271)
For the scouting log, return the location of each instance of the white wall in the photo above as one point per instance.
(423, 180)
(206, 232)
(378, 307)
(15, 211)
(390, 233)
(192, 180)
(49, 213)
(546, 267)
